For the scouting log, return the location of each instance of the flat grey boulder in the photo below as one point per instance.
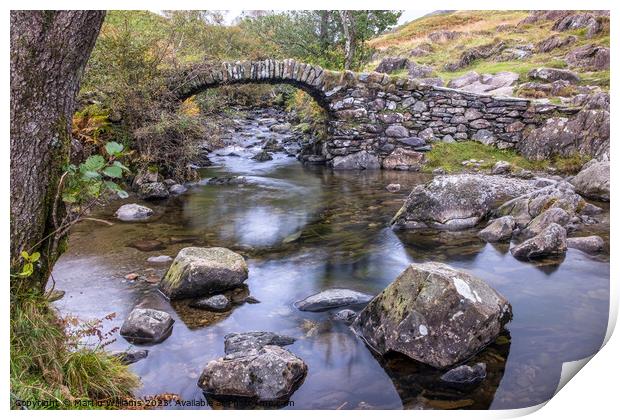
(593, 181)
(588, 244)
(197, 272)
(465, 377)
(551, 75)
(456, 202)
(133, 212)
(550, 242)
(217, 303)
(356, 161)
(147, 326)
(434, 314)
(332, 298)
(254, 340)
(498, 230)
(269, 374)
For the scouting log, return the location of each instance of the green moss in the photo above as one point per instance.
(450, 156)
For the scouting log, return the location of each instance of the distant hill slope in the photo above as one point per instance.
(449, 45)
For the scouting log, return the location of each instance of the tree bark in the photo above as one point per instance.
(49, 50)
(349, 38)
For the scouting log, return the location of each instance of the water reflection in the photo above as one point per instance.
(303, 230)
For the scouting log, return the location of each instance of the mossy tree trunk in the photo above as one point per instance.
(49, 50)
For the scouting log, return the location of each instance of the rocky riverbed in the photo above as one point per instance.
(310, 266)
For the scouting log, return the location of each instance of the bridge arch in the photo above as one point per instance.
(376, 120)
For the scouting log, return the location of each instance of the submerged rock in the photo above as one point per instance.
(200, 271)
(549, 242)
(262, 156)
(178, 189)
(498, 230)
(593, 181)
(147, 245)
(465, 377)
(269, 374)
(254, 340)
(147, 326)
(131, 356)
(345, 315)
(217, 303)
(159, 259)
(393, 187)
(434, 314)
(332, 298)
(226, 180)
(456, 202)
(588, 244)
(133, 212)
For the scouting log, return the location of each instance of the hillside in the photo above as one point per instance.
(450, 45)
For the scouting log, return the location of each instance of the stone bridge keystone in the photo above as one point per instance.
(376, 120)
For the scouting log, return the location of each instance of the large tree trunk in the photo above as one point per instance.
(49, 50)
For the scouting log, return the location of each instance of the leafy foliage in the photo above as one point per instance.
(317, 36)
(91, 178)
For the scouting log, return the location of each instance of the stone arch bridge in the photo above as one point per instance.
(377, 120)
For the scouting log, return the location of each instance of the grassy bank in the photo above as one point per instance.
(51, 370)
(475, 28)
(450, 156)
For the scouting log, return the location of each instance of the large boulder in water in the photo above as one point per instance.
(332, 298)
(456, 202)
(147, 326)
(198, 271)
(550, 242)
(265, 374)
(434, 314)
(593, 180)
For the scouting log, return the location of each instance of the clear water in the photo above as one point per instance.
(305, 229)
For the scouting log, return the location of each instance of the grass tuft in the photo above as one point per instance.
(48, 366)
